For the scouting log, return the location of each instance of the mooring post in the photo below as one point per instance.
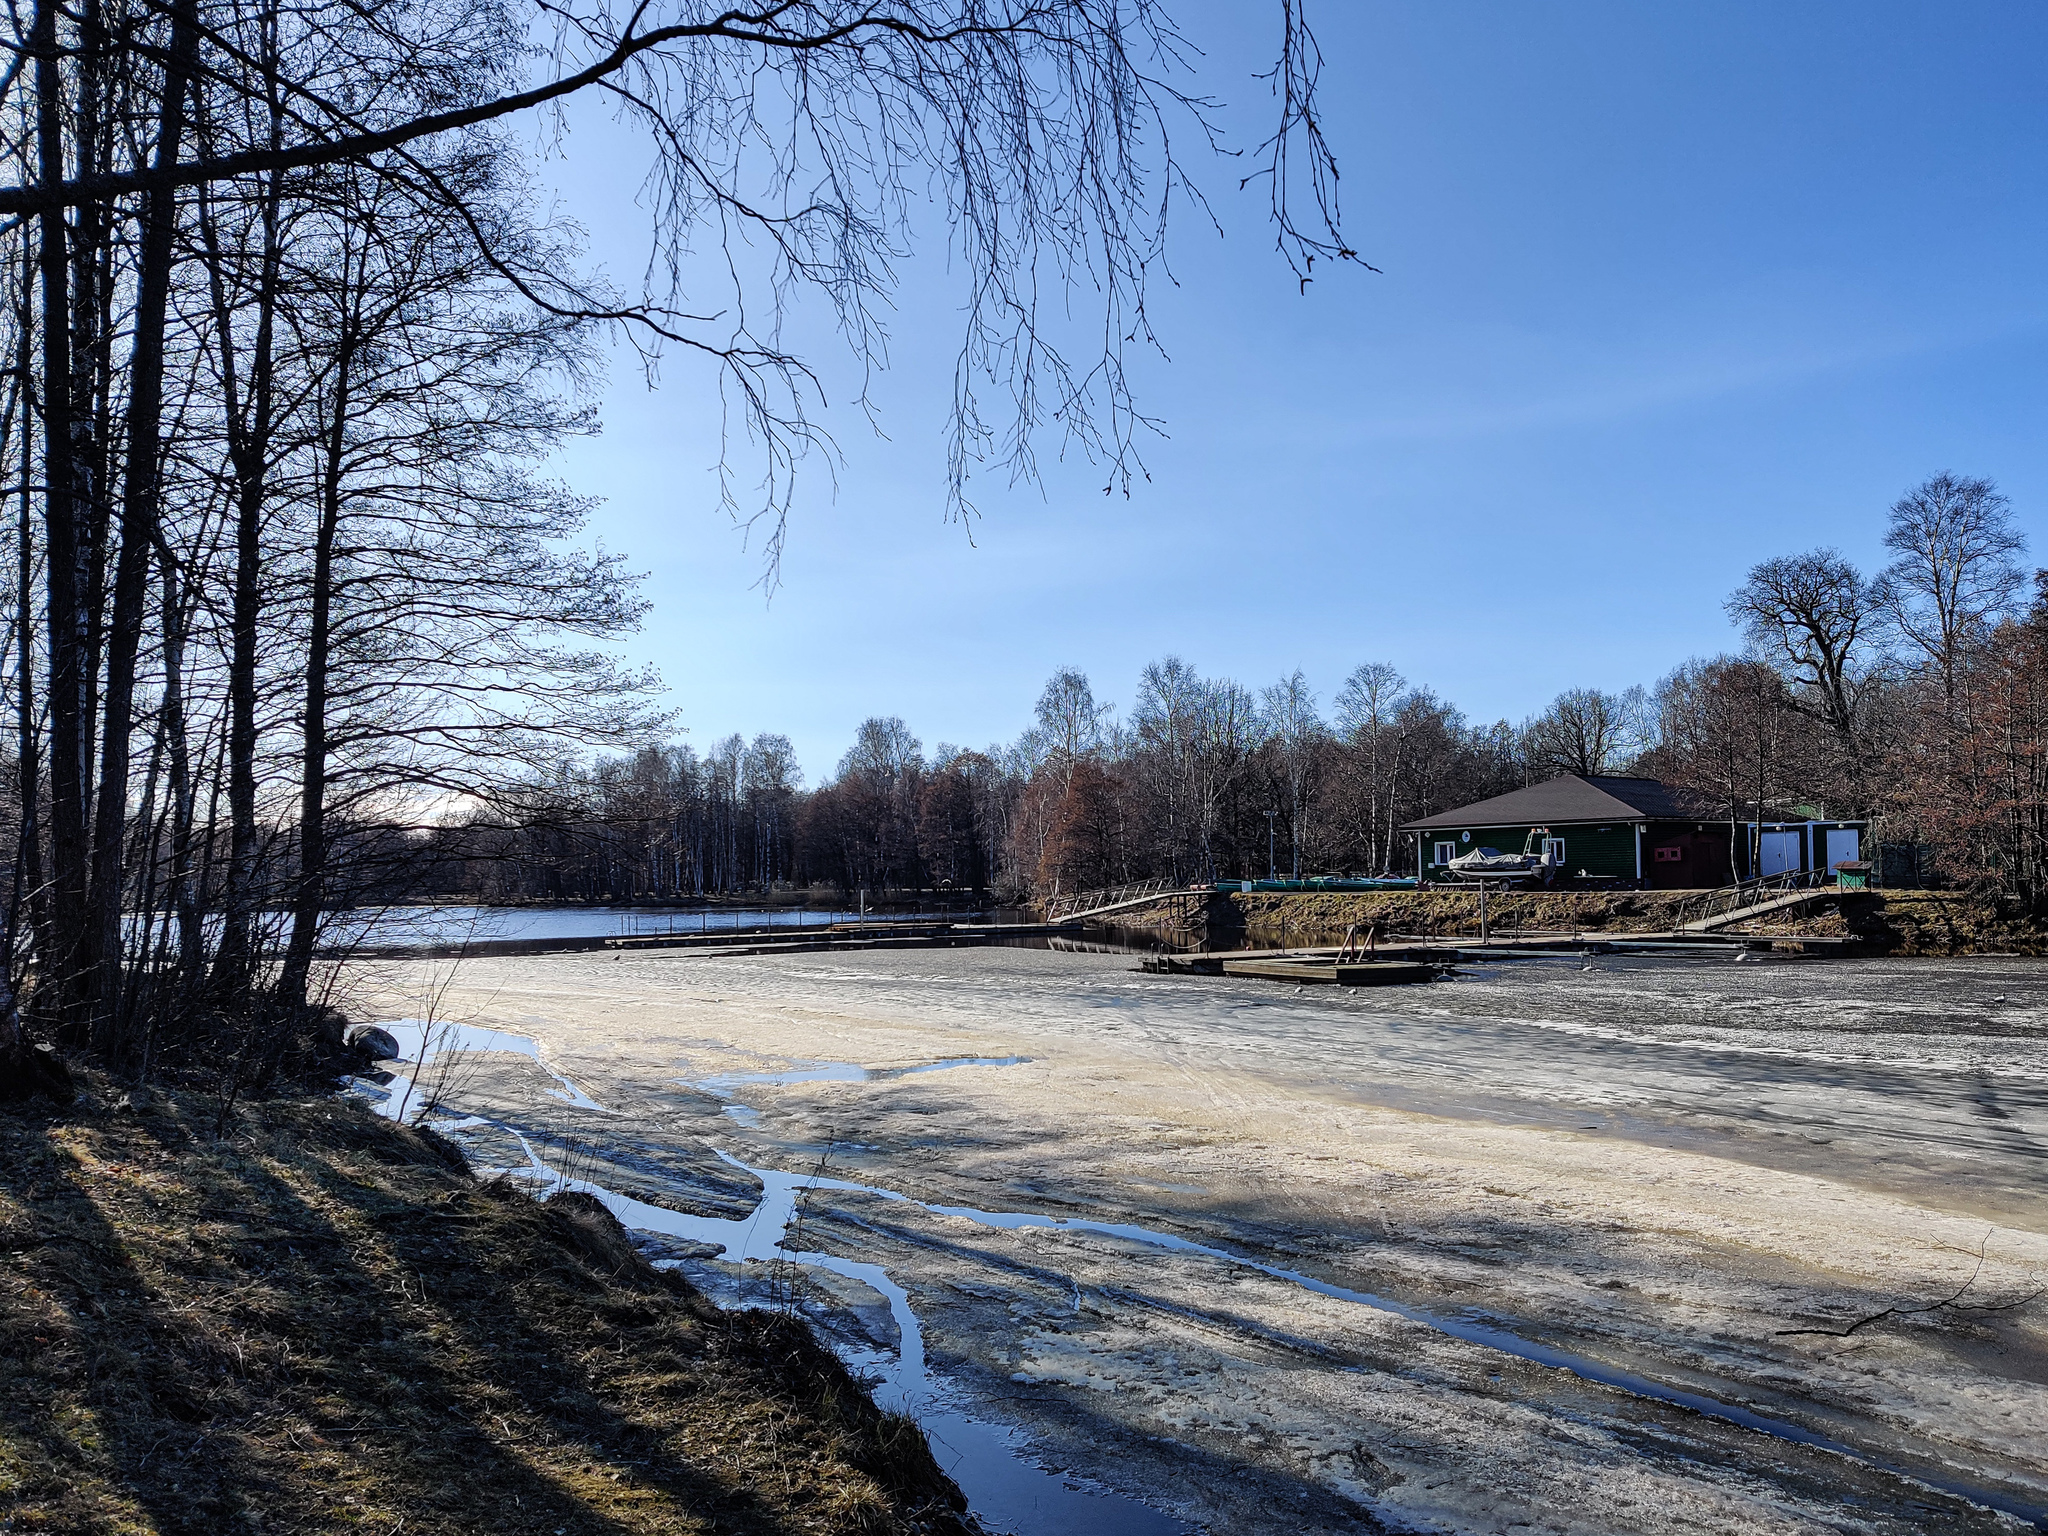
(1483, 938)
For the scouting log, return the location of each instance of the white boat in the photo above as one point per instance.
(1536, 861)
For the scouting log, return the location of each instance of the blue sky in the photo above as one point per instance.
(1664, 291)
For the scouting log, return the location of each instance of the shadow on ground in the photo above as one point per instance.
(320, 1321)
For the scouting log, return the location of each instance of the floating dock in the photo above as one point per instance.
(1410, 960)
(1367, 973)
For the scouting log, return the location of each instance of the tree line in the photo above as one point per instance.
(1913, 696)
(291, 328)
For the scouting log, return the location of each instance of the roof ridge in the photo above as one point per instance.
(1553, 800)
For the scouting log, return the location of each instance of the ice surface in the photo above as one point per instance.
(1004, 1491)
(759, 1238)
(1773, 1144)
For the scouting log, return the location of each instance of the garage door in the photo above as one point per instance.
(1780, 852)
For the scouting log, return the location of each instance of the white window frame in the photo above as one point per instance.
(1550, 843)
(1445, 852)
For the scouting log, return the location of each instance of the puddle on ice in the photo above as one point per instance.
(1170, 1189)
(726, 1083)
(420, 1042)
(1003, 1490)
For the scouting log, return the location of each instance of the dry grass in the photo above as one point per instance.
(1897, 922)
(320, 1322)
(1451, 914)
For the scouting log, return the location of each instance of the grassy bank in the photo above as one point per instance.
(1449, 914)
(1896, 922)
(320, 1321)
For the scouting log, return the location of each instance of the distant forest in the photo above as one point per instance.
(1916, 696)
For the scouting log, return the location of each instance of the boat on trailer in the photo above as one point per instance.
(1538, 860)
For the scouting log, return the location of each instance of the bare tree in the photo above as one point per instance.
(1816, 617)
(1070, 722)
(1586, 731)
(285, 567)
(1957, 571)
(1723, 729)
(1167, 723)
(808, 132)
(1366, 708)
(1228, 730)
(769, 781)
(1294, 730)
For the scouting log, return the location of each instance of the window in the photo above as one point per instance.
(1671, 854)
(1553, 850)
(1445, 852)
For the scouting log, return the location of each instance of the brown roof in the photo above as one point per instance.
(1570, 799)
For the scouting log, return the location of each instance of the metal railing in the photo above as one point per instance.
(1744, 894)
(1058, 908)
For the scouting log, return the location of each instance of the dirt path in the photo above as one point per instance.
(1658, 1168)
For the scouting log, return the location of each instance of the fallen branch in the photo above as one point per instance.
(1947, 1302)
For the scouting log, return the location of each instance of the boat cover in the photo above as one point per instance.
(1491, 861)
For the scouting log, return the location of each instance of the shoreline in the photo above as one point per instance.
(319, 1320)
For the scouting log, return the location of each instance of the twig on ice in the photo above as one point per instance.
(1949, 1300)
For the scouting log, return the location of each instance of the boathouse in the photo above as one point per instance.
(1641, 831)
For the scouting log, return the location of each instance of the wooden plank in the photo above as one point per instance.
(1383, 973)
(1370, 973)
(1281, 970)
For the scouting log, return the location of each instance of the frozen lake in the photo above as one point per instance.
(1464, 1257)
(442, 925)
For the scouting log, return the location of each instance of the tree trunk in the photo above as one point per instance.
(29, 897)
(102, 948)
(183, 895)
(63, 613)
(234, 964)
(307, 899)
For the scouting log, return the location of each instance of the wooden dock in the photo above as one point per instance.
(1408, 960)
(1368, 973)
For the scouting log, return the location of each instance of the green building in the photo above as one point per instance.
(1641, 831)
